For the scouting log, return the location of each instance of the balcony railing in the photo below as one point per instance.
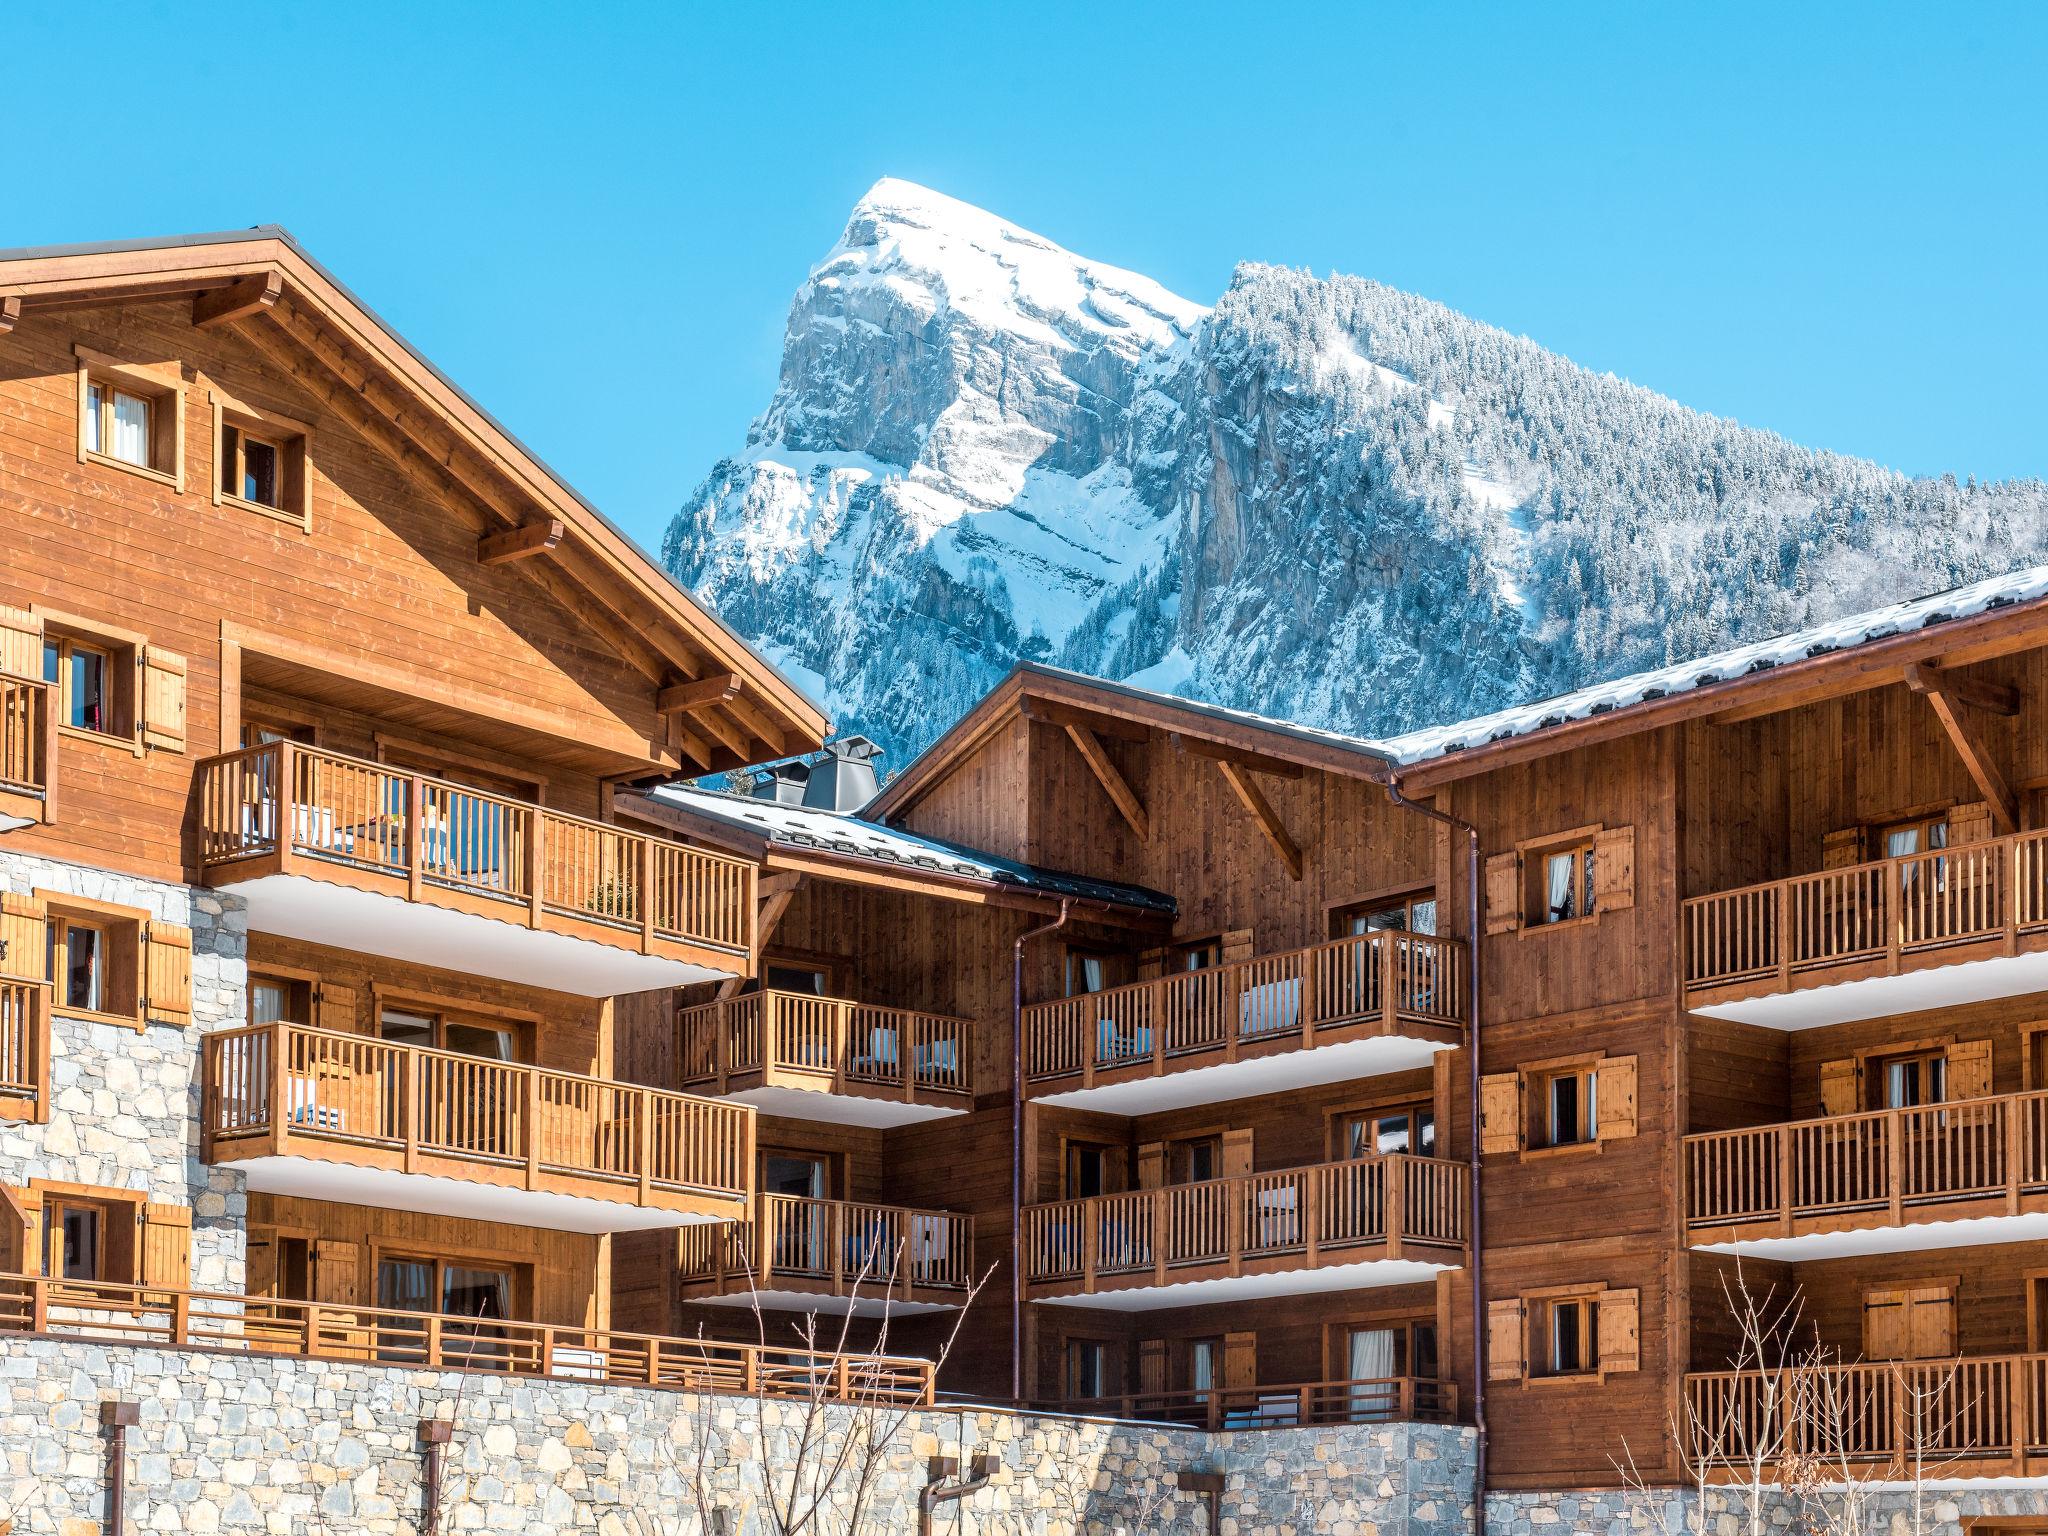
(1937, 1413)
(175, 1319)
(835, 1246)
(1881, 914)
(1296, 1218)
(1973, 1157)
(278, 1088)
(24, 1048)
(1379, 1400)
(1380, 983)
(434, 841)
(833, 1045)
(27, 737)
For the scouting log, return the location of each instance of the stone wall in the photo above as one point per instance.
(1876, 1509)
(124, 1104)
(246, 1444)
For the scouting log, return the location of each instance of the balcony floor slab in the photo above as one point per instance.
(840, 1108)
(1370, 1275)
(1911, 1237)
(824, 1303)
(1814, 1001)
(371, 923)
(1274, 1073)
(346, 1184)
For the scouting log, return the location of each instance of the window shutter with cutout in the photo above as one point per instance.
(1240, 1361)
(1842, 848)
(334, 1272)
(18, 1254)
(1838, 1087)
(1152, 1366)
(25, 933)
(1614, 870)
(1237, 1153)
(1503, 893)
(1969, 1070)
(167, 973)
(1614, 1098)
(337, 1008)
(1152, 1165)
(1236, 946)
(1620, 1326)
(1969, 823)
(1500, 1112)
(1504, 1339)
(166, 1246)
(163, 698)
(21, 642)
(1151, 964)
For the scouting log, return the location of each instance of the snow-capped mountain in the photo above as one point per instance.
(1322, 498)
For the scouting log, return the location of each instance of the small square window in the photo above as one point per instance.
(128, 416)
(260, 462)
(1567, 1107)
(1566, 1341)
(93, 964)
(1560, 883)
(94, 684)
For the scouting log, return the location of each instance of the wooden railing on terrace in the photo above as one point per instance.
(837, 1245)
(28, 735)
(832, 1044)
(1878, 912)
(1325, 1213)
(1385, 979)
(24, 1048)
(355, 1098)
(1377, 1400)
(437, 1341)
(515, 860)
(1933, 1412)
(1882, 1163)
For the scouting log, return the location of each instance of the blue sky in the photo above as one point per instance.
(1831, 221)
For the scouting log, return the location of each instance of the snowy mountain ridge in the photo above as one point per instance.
(1321, 498)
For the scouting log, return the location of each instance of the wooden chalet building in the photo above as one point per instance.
(376, 985)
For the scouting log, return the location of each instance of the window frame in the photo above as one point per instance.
(120, 1217)
(1540, 1090)
(301, 991)
(121, 651)
(120, 930)
(162, 385)
(1114, 960)
(440, 1013)
(293, 440)
(1407, 897)
(1109, 1367)
(518, 1269)
(1545, 1311)
(1338, 1121)
(1536, 862)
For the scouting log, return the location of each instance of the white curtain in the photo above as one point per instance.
(92, 420)
(1372, 1359)
(131, 428)
(1558, 875)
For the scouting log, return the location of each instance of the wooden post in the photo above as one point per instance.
(1895, 902)
(181, 1317)
(1389, 1004)
(647, 895)
(2018, 1400)
(1234, 1222)
(284, 803)
(2013, 1127)
(433, 1340)
(532, 1129)
(1784, 1138)
(1397, 1203)
(415, 838)
(1895, 1164)
(1305, 998)
(1312, 1214)
(409, 1100)
(280, 1108)
(1161, 1215)
(653, 1361)
(2009, 892)
(536, 863)
(1090, 1246)
(1782, 895)
(646, 1146)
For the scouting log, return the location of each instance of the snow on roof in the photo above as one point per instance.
(1682, 677)
(800, 826)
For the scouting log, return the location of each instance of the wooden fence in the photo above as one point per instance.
(826, 1042)
(836, 1245)
(1378, 1400)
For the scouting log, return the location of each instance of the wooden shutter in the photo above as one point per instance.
(1240, 1361)
(21, 642)
(1842, 848)
(18, 1254)
(334, 1272)
(259, 1262)
(1614, 1097)
(1505, 1335)
(1969, 823)
(1969, 1070)
(1500, 1112)
(163, 698)
(1614, 870)
(1236, 946)
(25, 932)
(1237, 1153)
(1504, 893)
(1151, 964)
(166, 1246)
(1620, 1327)
(1838, 1087)
(1151, 1366)
(1152, 1165)
(1931, 1323)
(337, 1008)
(167, 972)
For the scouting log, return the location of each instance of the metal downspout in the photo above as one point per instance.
(1017, 1143)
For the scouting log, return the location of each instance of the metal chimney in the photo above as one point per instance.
(843, 777)
(784, 783)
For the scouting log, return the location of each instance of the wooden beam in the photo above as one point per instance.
(1111, 778)
(1262, 811)
(521, 543)
(223, 306)
(777, 891)
(1951, 711)
(10, 312)
(705, 693)
(1992, 698)
(1251, 762)
(722, 729)
(755, 719)
(1046, 712)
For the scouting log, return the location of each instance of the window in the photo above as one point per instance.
(1414, 913)
(1097, 970)
(797, 1174)
(1092, 1170)
(1567, 1340)
(1923, 834)
(93, 685)
(439, 1031)
(1368, 1133)
(128, 416)
(1197, 1159)
(1204, 1364)
(1091, 1368)
(1567, 1112)
(75, 1240)
(1904, 1082)
(1915, 1323)
(1563, 883)
(259, 731)
(93, 962)
(1198, 956)
(279, 1000)
(457, 1287)
(260, 462)
(799, 978)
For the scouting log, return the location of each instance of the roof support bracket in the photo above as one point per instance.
(704, 693)
(1953, 700)
(251, 296)
(1111, 778)
(1255, 801)
(521, 543)
(10, 312)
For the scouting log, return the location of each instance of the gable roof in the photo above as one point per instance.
(764, 826)
(277, 296)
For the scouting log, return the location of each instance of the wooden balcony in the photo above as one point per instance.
(28, 748)
(1381, 1400)
(1376, 1002)
(350, 1117)
(24, 1049)
(876, 1257)
(336, 850)
(1372, 1221)
(372, 1336)
(1949, 926)
(1941, 1175)
(828, 1058)
(1974, 1416)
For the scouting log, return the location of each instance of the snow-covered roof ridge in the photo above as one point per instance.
(1845, 633)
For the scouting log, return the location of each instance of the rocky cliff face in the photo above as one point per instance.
(1321, 498)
